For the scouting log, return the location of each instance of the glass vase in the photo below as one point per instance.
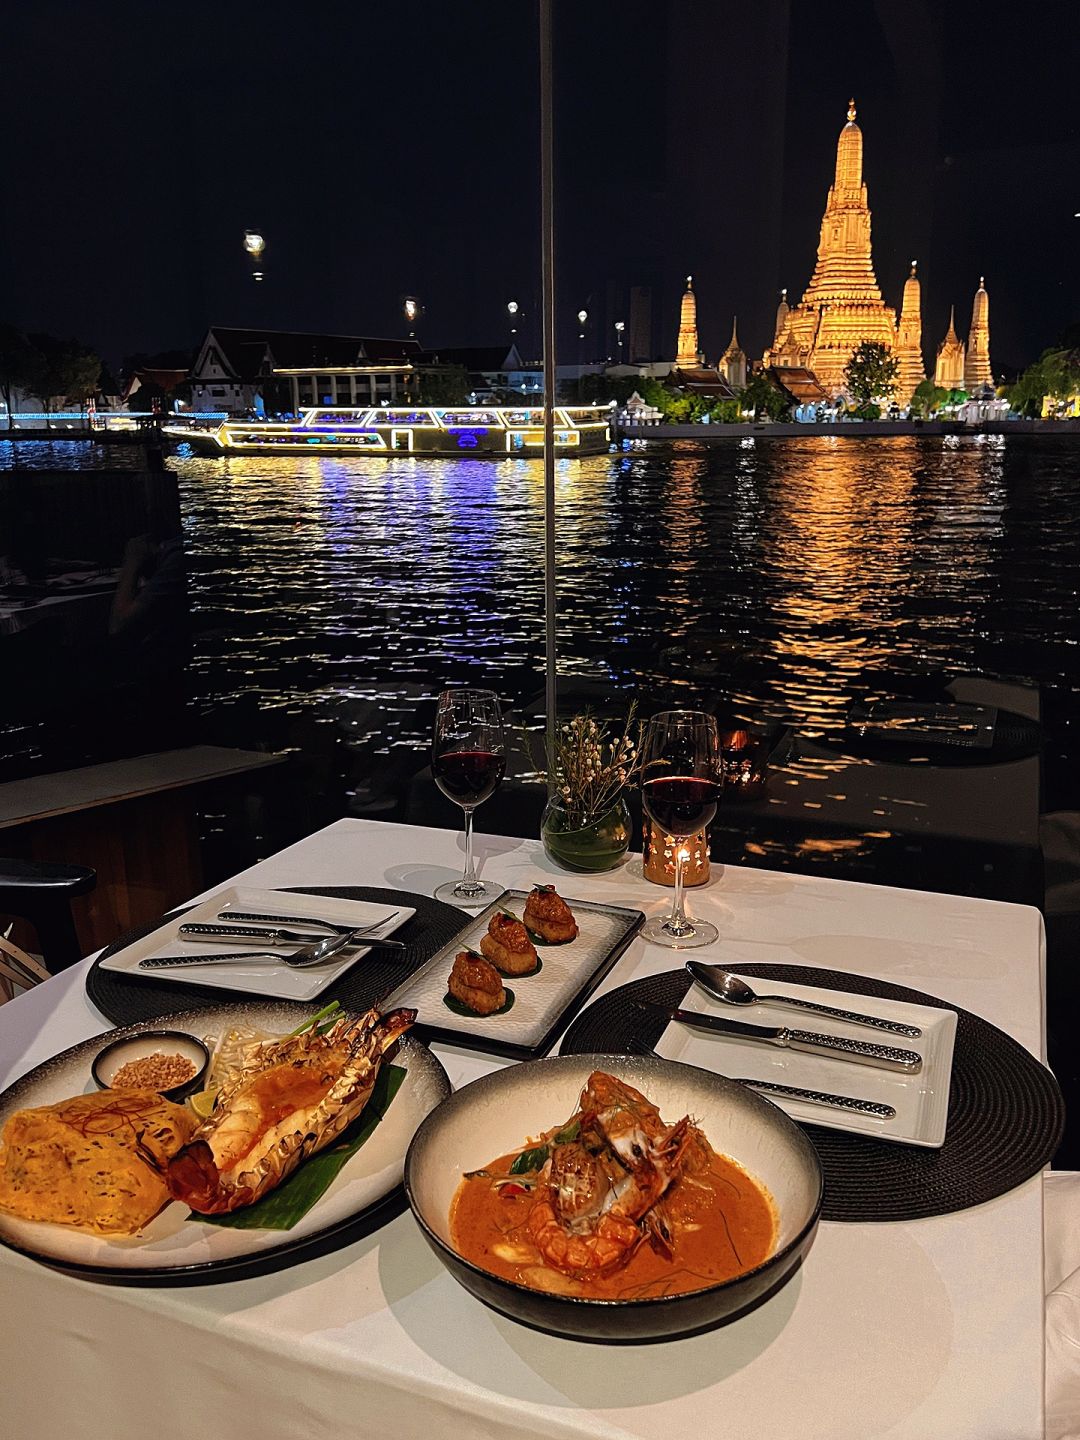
(600, 845)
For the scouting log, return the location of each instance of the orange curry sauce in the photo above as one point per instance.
(722, 1222)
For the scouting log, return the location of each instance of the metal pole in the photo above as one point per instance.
(547, 222)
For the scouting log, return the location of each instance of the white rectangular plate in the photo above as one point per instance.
(543, 1002)
(263, 977)
(921, 1101)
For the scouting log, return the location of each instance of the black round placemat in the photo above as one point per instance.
(125, 1000)
(1006, 1113)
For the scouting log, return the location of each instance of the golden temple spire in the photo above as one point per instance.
(848, 180)
(733, 361)
(686, 351)
(949, 367)
(977, 372)
(908, 348)
(842, 306)
(782, 312)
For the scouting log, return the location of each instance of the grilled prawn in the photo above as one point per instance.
(291, 1098)
(598, 1196)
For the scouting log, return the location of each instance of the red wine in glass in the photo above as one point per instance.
(681, 804)
(468, 760)
(681, 777)
(468, 777)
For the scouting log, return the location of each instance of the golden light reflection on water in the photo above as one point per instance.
(782, 576)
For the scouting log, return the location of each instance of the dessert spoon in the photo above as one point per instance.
(733, 990)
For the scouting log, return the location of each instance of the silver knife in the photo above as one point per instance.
(820, 1097)
(259, 916)
(273, 936)
(814, 1042)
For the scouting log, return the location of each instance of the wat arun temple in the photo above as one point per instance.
(843, 306)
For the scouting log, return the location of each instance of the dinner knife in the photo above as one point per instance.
(272, 936)
(820, 1097)
(813, 1042)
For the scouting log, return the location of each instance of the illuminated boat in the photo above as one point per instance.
(481, 430)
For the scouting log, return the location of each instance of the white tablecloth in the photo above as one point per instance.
(927, 1329)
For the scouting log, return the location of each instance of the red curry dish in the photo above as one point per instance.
(614, 1204)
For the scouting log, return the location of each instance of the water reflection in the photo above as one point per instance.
(786, 577)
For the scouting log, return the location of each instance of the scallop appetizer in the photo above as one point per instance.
(476, 983)
(548, 915)
(507, 945)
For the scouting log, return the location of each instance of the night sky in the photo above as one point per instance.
(394, 151)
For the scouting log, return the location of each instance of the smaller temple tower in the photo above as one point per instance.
(908, 348)
(783, 310)
(733, 361)
(977, 372)
(687, 356)
(949, 369)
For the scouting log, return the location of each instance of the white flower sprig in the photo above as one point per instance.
(592, 764)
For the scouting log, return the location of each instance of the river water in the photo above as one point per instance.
(785, 578)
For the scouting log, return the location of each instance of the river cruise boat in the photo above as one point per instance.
(482, 430)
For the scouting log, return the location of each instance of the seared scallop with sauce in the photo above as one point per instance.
(548, 915)
(507, 945)
(476, 983)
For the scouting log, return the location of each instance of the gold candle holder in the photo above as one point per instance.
(659, 852)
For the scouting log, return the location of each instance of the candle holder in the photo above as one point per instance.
(745, 758)
(659, 851)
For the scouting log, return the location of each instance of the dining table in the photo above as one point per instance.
(912, 1328)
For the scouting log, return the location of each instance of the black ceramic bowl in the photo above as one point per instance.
(495, 1114)
(153, 1042)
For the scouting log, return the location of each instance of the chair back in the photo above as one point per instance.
(18, 970)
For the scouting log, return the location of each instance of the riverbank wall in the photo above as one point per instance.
(845, 430)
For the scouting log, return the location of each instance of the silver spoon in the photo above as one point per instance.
(733, 990)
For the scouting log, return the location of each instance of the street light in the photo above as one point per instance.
(254, 244)
(620, 326)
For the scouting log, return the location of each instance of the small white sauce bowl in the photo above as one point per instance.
(153, 1042)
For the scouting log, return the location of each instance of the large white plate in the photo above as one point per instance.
(257, 977)
(174, 1248)
(921, 1101)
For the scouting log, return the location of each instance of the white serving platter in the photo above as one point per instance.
(269, 978)
(543, 1002)
(921, 1101)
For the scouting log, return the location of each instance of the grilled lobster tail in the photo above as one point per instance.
(292, 1098)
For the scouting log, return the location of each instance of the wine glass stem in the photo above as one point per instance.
(469, 878)
(677, 923)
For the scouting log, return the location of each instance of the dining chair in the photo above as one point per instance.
(18, 970)
(41, 892)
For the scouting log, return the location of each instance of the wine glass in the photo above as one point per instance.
(681, 778)
(468, 759)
